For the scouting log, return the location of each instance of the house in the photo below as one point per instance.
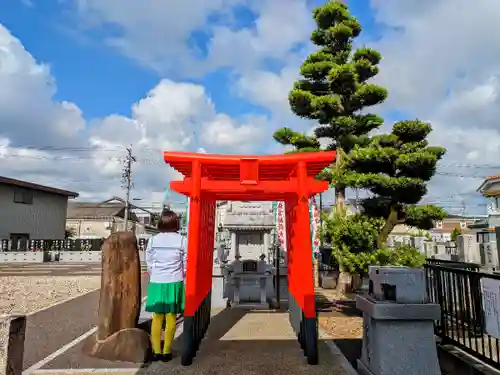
(490, 189)
(32, 211)
(100, 219)
(441, 232)
(442, 229)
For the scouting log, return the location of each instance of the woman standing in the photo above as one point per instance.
(166, 263)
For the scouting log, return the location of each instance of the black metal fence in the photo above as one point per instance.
(456, 287)
(59, 245)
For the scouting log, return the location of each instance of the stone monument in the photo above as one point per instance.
(249, 225)
(468, 248)
(398, 324)
(117, 337)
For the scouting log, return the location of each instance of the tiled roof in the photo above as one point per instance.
(87, 210)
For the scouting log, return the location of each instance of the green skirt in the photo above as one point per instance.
(165, 298)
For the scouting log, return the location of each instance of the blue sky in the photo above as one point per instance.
(102, 81)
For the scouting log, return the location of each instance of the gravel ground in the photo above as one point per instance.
(341, 321)
(27, 294)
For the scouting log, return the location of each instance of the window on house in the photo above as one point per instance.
(463, 225)
(439, 224)
(496, 202)
(23, 197)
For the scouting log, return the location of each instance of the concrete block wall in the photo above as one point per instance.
(21, 257)
(80, 256)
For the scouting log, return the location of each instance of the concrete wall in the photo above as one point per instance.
(21, 257)
(85, 256)
(44, 219)
(88, 228)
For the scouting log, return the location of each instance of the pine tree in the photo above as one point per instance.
(395, 168)
(334, 90)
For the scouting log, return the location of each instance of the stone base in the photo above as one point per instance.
(398, 339)
(250, 305)
(127, 345)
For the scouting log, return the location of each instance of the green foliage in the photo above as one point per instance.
(334, 88)
(395, 168)
(419, 233)
(455, 233)
(352, 233)
(300, 142)
(353, 239)
(354, 244)
(401, 255)
(423, 216)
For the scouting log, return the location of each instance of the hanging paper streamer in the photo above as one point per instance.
(315, 222)
(279, 212)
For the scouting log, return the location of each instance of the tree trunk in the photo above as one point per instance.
(339, 191)
(340, 199)
(389, 225)
(348, 282)
(118, 337)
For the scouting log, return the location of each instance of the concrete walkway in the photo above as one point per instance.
(256, 342)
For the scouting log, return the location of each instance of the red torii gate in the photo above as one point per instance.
(289, 178)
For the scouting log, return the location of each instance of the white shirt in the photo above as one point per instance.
(166, 257)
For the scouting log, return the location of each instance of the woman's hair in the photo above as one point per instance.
(169, 221)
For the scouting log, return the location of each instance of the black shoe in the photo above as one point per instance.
(166, 357)
(156, 357)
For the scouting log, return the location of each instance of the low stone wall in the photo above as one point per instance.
(80, 256)
(54, 256)
(22, 257)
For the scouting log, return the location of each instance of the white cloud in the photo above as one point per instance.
(268, 89)
(49, 142)
(154, 33)
(441, 63)
(159, 34)
(224, 134)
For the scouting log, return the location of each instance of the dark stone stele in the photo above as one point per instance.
(118, 337)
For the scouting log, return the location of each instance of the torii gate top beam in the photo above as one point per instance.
(249, 177)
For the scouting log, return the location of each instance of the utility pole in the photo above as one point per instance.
(127, 181)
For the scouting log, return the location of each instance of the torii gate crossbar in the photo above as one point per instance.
(290, 178)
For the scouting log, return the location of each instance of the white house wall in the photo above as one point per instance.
(492, 188)
(44, 219)
(87, 228)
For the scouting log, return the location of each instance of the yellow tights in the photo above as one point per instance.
(156, 328)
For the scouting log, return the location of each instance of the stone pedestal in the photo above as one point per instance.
(398, 338)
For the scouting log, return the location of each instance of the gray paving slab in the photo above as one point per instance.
(244, 342)
(50, 329)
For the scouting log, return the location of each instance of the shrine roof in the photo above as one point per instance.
(271, 167)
